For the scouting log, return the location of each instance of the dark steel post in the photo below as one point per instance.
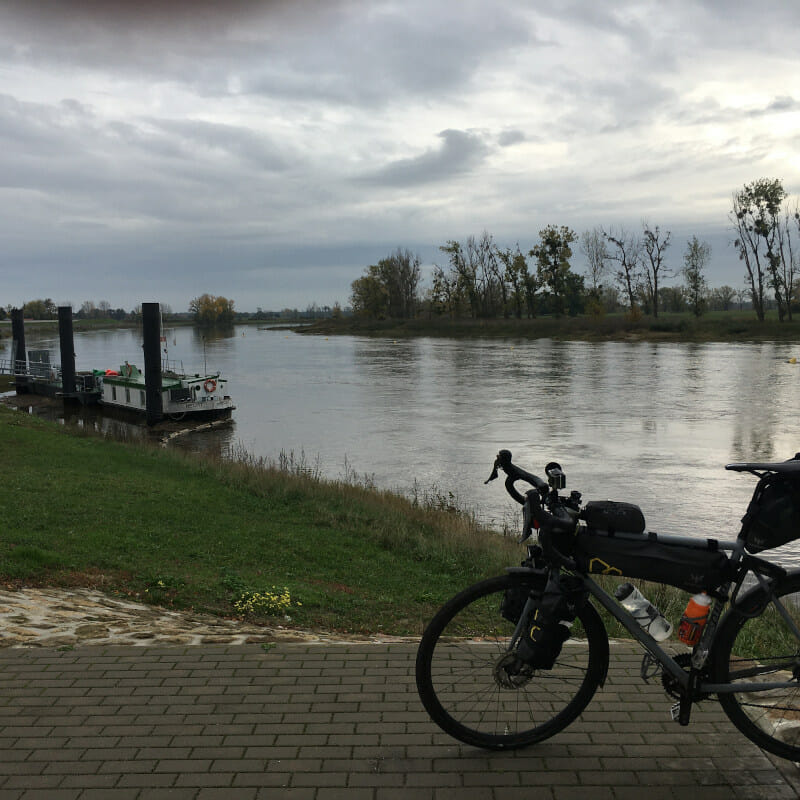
(20, 365)
(67, 350)
(151, 329)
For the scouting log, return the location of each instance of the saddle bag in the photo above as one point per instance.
(773, 516)
(694, 568)
(548, 626)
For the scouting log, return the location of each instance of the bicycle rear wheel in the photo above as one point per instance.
(763, 649)
(463, 683)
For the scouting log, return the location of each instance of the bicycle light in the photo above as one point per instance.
(555, 475)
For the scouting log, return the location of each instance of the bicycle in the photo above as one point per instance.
(482, 681)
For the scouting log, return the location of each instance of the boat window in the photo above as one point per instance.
(127, 395)
(113, 392)
(141, 398)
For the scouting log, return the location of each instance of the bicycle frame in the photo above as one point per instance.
(667, 662)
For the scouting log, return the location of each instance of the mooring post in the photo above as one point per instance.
(19, 355)
(151, 330)
(67, 351)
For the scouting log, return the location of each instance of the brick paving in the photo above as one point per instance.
(327, 721)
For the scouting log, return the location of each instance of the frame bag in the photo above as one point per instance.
(773, 516)
(694, 568)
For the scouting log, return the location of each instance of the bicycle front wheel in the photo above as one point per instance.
(763, 646)
(465, 683)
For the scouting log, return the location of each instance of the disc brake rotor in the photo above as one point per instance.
(511, 673)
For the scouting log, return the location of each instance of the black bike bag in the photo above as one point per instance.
(773, 516)
(611, 516)
(693, 567)
(547, 628)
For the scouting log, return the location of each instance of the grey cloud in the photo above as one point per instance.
(460, 151)
(783, 103)
(511, 137)
(348, 52)
(711, 112)
(254, 149)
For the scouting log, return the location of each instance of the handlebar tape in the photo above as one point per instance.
(515, 473)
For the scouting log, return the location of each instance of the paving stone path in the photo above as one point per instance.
(326, 719)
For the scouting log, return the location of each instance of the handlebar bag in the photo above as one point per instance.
(694, 568)
(773, 516)
(608, 515)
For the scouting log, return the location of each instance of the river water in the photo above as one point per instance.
(648, 423)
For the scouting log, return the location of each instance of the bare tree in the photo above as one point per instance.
(789, 254)
(627, 255)
(722, 297)
(479, 274)
(463, 270)
(655, 246)
(695, 261)
(741, 296)
(400, 274)
(593, 246)
(488, 267)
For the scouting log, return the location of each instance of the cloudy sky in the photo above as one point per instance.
(269, 151)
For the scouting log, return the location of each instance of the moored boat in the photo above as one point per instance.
(197, 395)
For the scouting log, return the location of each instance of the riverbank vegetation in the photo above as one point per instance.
(626, 272)
(716, 326)
(179, 531)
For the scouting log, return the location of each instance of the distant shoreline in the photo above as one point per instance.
(719, 326)
(732, 326)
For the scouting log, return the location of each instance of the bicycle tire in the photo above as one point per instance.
(457, 671)
(753, 636)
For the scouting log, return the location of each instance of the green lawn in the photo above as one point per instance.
(82, 510)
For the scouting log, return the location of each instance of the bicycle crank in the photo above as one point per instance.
(671, 685)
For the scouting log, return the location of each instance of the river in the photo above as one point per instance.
(650, 423)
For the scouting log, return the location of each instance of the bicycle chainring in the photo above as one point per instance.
(672, 687)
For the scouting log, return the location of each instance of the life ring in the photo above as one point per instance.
(210, 385)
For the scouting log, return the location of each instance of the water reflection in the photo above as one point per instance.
(647, 423)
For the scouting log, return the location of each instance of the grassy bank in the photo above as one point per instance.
(241, 539)
(717, 326)
(155, 525)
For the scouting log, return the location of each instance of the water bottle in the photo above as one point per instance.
(643, 611)
(694, 619)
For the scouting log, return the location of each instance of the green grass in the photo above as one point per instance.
(155, 525)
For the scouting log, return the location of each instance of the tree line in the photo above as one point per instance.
(625, 269)
(207, 309)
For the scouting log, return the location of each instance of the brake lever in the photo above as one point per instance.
(503, 459)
